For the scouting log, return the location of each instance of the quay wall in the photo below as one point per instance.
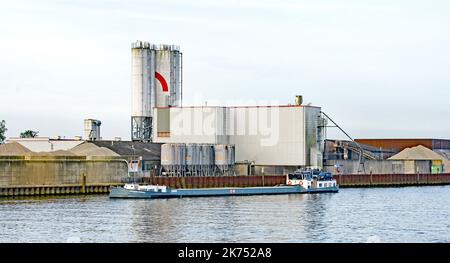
(351, 180)
(42, 175)
(21, 176)
(387, 180)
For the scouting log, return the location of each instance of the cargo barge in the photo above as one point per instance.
(300, 182)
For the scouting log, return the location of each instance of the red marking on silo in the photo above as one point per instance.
(163, 82)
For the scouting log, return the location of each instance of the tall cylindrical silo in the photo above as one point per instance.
(168, 76)
(143, 95)
(156, 82)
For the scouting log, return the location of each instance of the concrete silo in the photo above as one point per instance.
(168, 74)
(156, 82)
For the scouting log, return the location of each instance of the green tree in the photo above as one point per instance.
(29, 134)
(2, 131)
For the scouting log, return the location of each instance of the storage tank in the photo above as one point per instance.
(231, 155)
(207, 159)
(224, 158)
(167, 157)
(193, 157)
(143, 86)
(190, 148)
(180, 158)
(231, 159)
(167, 154)
(220, 158)
(220, 154)
(168, 75)
(143, 82)
(180, 154)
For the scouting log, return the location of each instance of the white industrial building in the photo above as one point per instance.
(287, 135)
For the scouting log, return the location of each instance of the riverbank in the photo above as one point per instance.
(344, 181)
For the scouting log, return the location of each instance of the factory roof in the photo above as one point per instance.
(149, 151)
(403, 143)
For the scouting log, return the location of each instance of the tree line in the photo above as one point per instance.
(24, 134)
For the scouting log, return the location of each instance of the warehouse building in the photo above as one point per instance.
(420, 159)
(287, 136)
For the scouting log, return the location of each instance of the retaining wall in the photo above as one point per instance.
(351, 180)
(35, 175)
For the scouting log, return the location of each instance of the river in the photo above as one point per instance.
(408, 214)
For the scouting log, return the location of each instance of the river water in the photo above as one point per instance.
(409, 214)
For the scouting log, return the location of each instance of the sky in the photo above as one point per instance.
(379, 68)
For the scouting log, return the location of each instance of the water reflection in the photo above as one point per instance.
(412, 214)
(313, 217)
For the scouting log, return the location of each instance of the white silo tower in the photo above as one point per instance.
(168, 75)
(156, 82)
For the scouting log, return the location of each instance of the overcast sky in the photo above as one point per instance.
(380, 68)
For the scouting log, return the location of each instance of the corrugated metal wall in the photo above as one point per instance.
(280, 142)
(278, 135)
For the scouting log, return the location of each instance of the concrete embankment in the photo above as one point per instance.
(47, 175)
(389, 180)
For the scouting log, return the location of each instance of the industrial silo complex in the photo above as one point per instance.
(156, 82)
(273, 138)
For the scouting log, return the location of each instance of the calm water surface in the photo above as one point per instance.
(410, 214)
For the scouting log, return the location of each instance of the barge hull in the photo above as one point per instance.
(118, 192)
